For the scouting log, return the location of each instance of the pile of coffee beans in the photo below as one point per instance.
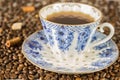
(13, 65)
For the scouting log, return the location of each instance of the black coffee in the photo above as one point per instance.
(70, 18)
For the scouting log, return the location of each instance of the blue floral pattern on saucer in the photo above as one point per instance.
(37, 51)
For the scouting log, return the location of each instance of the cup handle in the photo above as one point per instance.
(102, 26)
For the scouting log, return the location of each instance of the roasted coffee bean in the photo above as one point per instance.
(103, 79)
(36, 76)
(96, 78)
(78, 78)
(20, 76)
(1, 60)
(7, 76)
(108, 76)
(15, 57)
(13, 76)
(31, 77)
(20, 67)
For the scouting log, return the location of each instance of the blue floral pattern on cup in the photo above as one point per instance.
(65, 34)
(49, 36)
(64, 38)
(82, 38)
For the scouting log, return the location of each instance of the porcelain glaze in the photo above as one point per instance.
(36, 49)
(63, 38)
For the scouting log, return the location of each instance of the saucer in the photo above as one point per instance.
(36, 49)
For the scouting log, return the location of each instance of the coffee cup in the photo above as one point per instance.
(71, 38)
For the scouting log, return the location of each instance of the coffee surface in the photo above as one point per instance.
(70, 18)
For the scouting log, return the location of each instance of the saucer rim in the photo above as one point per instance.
(64, 72)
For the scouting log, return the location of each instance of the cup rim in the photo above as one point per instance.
(99, 19)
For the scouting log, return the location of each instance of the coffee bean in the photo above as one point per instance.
(15, 57)
(31, 67)
(20, 67)
(117, 78)
(47, 77)
(31, 72)
(36, 76)
(25, 72)
(44, 2)
(96, 78)
(21, 60)
(17, 72)
(1, 30)
(7, 76)
(6, 61)
(103, 79)
(1, 77)
(13, 76)
(38, 5)
(20, 76)
(25, 77)
(8, 66)
(1, 60)
(103, 75)
(16, 63)
(63, 77)
(31, 77)
(2, 72)
(13, 70)
(41, 78)
(108, 76)
(118, 74)
(112, 74)
(26, 64)
(90, 78)
(84, 77)
(77, 78)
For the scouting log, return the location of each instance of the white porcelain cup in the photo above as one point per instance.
(71, 39)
